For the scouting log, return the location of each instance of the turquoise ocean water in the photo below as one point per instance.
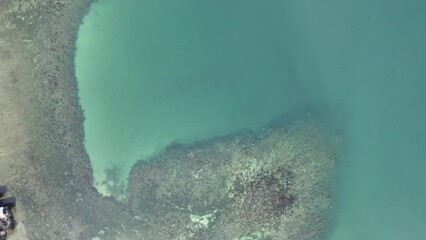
(154, 72)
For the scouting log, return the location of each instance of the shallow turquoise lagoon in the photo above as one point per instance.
(154, 72)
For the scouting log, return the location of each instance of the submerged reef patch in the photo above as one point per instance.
(273, 183)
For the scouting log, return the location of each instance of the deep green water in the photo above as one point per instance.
(153, 72)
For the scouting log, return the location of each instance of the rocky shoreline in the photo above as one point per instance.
(272, 184)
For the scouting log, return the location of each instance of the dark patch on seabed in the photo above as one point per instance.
(270, 184)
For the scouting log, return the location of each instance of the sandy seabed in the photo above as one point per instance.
(272, 184)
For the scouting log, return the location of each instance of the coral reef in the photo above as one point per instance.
(239, 186)
(270, 184)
